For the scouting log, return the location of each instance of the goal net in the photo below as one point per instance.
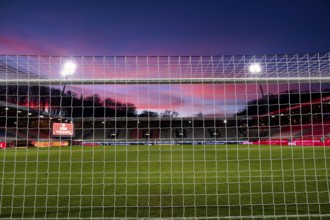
(181, 137)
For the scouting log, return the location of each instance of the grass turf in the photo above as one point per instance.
(165, 181)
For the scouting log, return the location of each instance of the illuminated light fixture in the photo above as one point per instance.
(19, 111)
(282, 114)
(69, 68)
(6, 108)
(225, 121)
(41, 116)
(255, 68)
(273, 116)
(30, 113)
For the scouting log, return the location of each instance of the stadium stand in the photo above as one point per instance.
(123, 134)
(134, 134)
(283, 123)
(155, 133)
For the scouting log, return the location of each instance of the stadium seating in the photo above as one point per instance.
(155, 133)
(317, 131)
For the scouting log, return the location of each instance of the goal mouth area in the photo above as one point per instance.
(173, 137)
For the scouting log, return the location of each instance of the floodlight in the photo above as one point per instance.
(69, 68)
(255, 68)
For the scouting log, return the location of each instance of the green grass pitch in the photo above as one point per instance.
(165, 181)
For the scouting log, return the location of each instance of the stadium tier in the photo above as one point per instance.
(178, 137)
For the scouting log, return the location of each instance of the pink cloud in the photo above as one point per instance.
(183, 98)
(14, 45)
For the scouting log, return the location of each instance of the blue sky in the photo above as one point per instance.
(171, 27)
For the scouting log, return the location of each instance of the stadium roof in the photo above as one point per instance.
(277, 68)
(298, 106)
(12, 110)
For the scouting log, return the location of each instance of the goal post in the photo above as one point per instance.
(179, 137)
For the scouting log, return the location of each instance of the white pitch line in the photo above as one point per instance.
(169, 177)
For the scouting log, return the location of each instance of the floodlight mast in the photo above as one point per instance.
(68, 70)
(255, 68)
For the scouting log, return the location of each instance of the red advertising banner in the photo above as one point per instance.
(309, 142)
(3, 145)
(295, 142)
(272, 142)
(63, 129)
(91, 144)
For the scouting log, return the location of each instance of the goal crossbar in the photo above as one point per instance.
(163, 81)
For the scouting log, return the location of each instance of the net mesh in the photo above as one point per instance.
(193, 137)
(103, 68)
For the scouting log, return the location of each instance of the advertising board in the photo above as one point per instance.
(63, 129)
